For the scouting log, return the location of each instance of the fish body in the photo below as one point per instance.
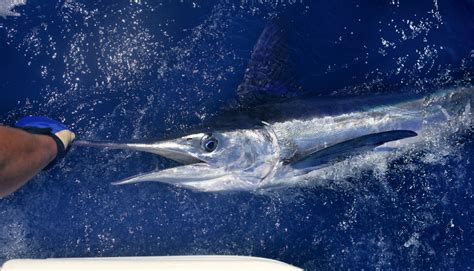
(278, 135)
(272, 153)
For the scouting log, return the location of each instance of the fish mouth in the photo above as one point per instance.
(182, 150)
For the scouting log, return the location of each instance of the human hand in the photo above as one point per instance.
(45, 126)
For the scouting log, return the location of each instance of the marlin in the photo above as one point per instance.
(276, 132)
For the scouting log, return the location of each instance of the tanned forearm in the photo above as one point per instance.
(22, 155)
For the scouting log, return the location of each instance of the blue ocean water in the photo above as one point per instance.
(137, 69)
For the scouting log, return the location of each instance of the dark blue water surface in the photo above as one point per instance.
(121, 70)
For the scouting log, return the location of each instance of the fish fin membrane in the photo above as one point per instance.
(346, 149)
(268, 75)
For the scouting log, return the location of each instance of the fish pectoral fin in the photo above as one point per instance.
(345, 149)
(177, 175)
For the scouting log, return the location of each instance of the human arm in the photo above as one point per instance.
(24, 153)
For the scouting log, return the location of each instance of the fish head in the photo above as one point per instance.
(230, 160)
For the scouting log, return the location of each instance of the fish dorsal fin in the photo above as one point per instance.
(268, 76)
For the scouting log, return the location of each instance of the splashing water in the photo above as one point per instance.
(137, 69)
(6, 7)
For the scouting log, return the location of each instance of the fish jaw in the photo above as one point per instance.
(200, 176)
(240, 161)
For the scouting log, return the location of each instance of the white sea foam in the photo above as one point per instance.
(13, 231)
(6, 7)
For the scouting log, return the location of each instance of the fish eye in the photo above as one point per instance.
(209, 143)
